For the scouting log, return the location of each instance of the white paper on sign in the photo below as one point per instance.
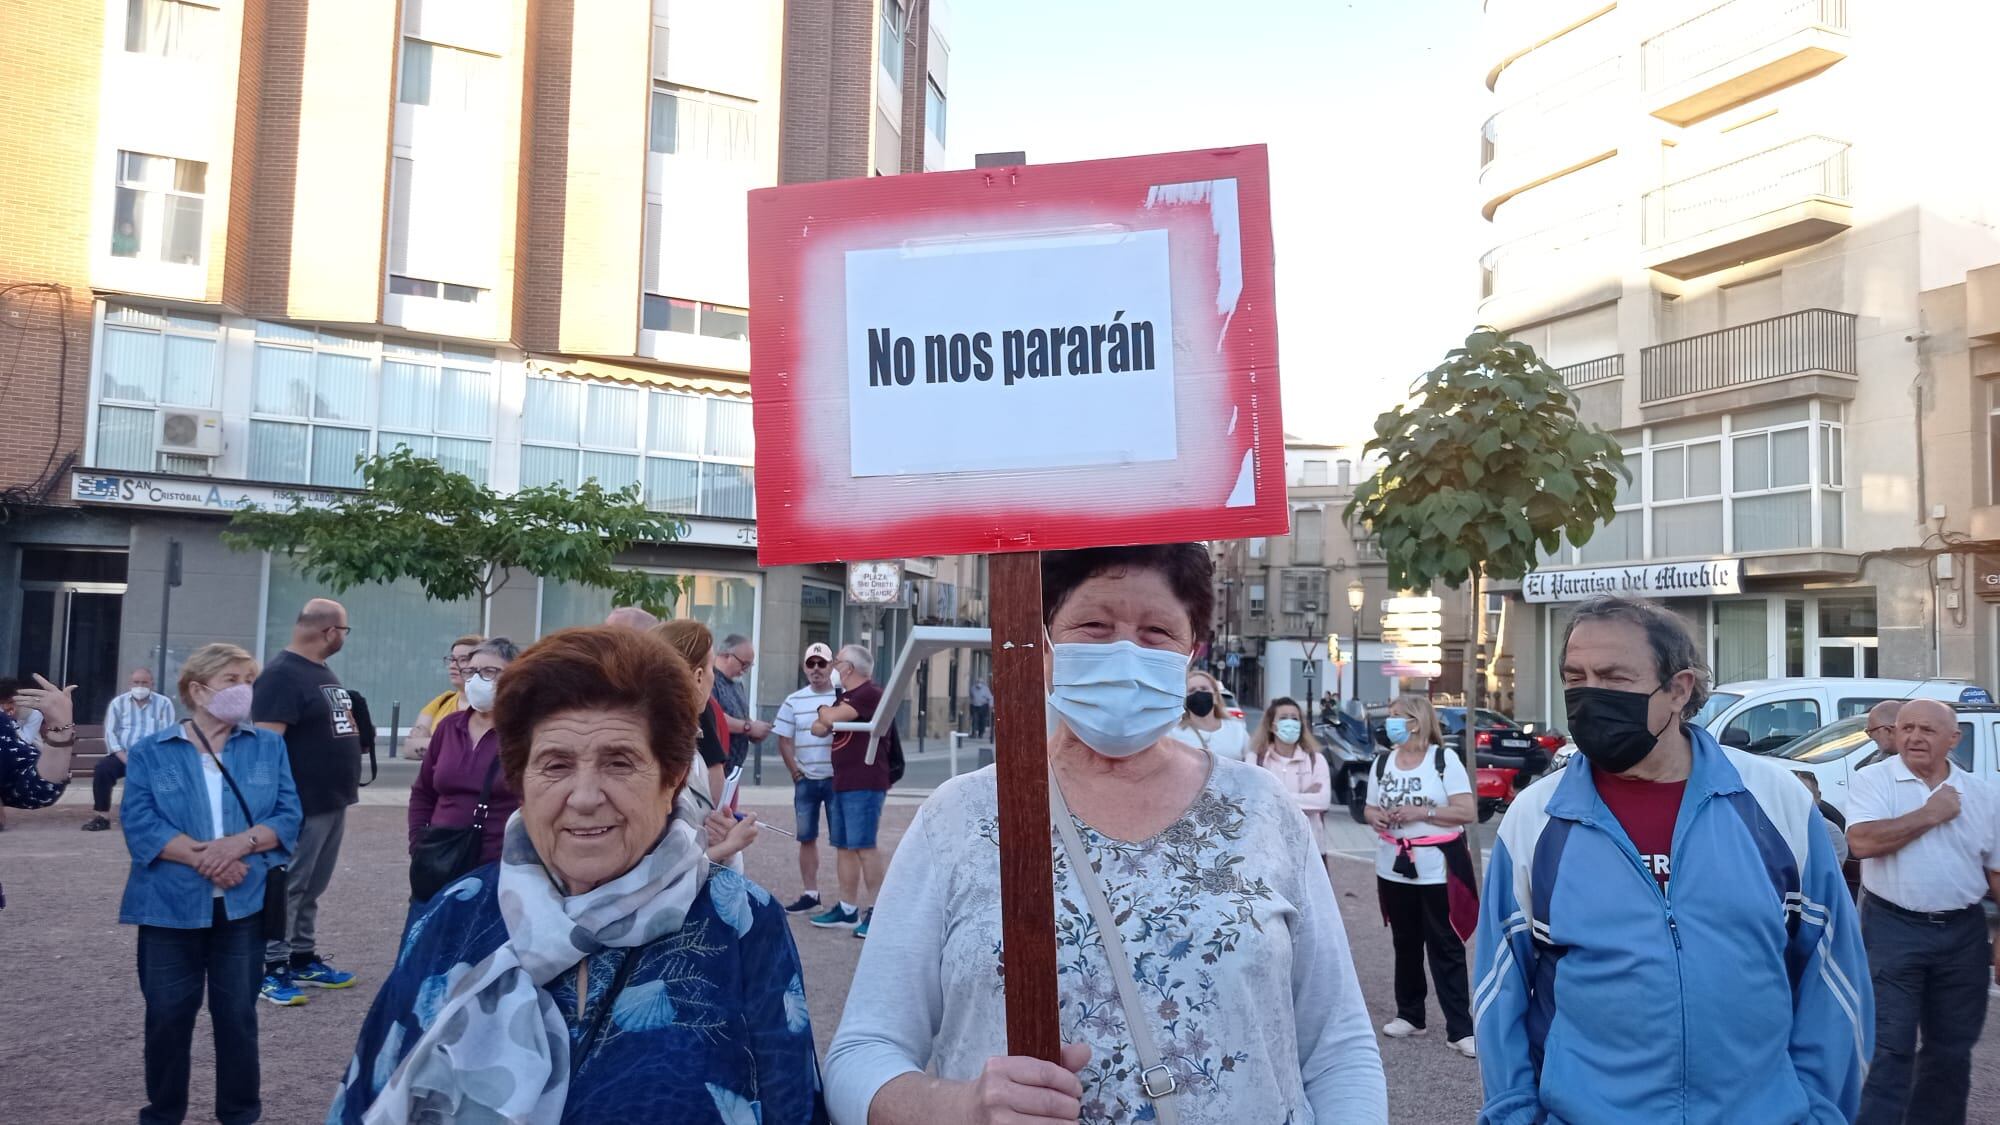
(1012, 353)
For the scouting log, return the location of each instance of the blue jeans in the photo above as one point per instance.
(173, 966)
(853, 817)
(809, 795)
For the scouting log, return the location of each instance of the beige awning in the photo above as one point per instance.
(677, 378)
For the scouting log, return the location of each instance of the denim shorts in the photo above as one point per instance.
(809, 795)
(853, 816)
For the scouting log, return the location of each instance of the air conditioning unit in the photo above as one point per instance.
(189, 433)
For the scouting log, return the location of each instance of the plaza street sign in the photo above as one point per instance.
(875, 583)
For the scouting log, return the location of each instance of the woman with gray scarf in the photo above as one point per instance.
(603, 969)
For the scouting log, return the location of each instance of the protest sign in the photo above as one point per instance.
(1022, 358)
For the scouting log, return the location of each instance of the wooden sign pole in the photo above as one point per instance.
(1021, 762)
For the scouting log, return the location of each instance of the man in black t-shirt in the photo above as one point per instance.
(298, 696)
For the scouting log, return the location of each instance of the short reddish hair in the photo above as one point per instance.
(597, 667)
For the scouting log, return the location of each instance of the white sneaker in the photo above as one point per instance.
(1400, 1028)
(1464, 1047)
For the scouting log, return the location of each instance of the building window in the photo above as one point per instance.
(934, 107)
(892, 40)
(700, 318)
(1993, 442)
(1687, 498)
(703, 126)
(1304, 592)
(574, 431)
(156, 214)
(1314, 473)
(151, 358)
(442, 77)
(1256, 599)
(1343, 472)
(1771, 479)
(445, 290)
(692, 454)
(311, 413)
(169, 28)
(1259, 546)
(699, 456)
(1308, 535)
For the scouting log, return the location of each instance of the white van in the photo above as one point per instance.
(1836, 752)
(1762, 715)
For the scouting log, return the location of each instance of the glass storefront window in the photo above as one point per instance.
(726, 603)
(399, 637)
(1795, 638)
(1741, 640)
(1847, 616)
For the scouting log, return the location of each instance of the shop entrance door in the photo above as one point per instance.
(1848, 657)
(68, 632)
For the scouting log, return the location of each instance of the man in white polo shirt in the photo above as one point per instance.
(810, 758)
(1928, 837)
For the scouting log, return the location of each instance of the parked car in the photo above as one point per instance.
(1833, 753)
(1762, 715)
(1232, 712)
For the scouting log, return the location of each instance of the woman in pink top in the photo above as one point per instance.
(1285, 745)
(464, 753)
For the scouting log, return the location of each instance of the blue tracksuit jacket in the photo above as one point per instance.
(1740, 994)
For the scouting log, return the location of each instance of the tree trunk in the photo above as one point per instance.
(1475, 627)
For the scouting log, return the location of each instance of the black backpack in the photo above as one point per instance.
(1382, 764)
(893, 746)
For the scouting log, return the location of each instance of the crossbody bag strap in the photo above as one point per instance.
(1156, 1079)
(485, 794)
(249, 821)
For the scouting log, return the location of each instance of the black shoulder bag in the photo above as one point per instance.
(445, 854)
(276, 877)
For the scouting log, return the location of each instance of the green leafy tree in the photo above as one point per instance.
(1486, 464)
(459, 539)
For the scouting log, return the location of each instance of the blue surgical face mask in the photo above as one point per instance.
(1397, 728)
(1287, 730)
(1119, 698)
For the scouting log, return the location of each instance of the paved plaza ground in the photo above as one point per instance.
(70, 1044)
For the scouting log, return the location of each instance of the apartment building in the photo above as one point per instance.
(247, 241)
(1960, 379)
(1279, 598)
(1720, 221)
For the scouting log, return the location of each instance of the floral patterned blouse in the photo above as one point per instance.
(21, 787)
(1236, 945)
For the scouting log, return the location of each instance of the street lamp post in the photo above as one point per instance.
(1311, 646)
(1357, 594)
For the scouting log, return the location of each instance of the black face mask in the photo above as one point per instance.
(1200, 703)
(1610, 727)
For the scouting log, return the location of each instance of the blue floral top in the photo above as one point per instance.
(20, 786)
(710, 1026)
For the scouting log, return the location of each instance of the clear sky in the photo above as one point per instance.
(1371, 110)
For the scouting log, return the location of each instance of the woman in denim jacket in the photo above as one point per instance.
(196, 891)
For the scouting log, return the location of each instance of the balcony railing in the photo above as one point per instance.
(1812, 340)
(1794, 172)
(1729, 32)
(1593, 370)
(1557, 253)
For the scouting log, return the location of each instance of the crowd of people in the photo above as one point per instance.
(1664, 928)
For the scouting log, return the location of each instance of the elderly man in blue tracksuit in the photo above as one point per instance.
(1665, 934)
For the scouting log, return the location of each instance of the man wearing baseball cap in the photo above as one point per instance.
(810, 759)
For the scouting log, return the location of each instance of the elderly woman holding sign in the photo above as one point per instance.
(603, 970)
(1203, 968)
